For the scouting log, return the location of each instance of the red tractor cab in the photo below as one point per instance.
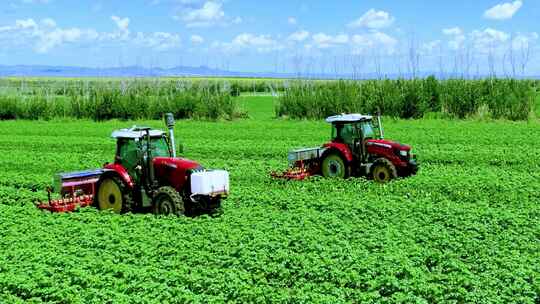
(145, 174)
(357, 148)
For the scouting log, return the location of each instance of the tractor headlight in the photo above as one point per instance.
(403, 153)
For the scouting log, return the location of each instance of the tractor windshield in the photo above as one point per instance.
(130, 151)
(158, 146)
(344, 133)
(348, 132)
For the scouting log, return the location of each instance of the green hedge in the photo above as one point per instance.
(116, 100)
(459, 98)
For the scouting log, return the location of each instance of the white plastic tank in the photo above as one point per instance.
(212, 182)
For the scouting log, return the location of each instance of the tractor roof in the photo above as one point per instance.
(136, 132)
(348, 118)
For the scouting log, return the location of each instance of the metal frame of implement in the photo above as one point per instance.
(77, 191)
(303, 163)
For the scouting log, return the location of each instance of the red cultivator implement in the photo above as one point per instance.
(302, 164)
(77, 190)
(297, 173)
(67, 204)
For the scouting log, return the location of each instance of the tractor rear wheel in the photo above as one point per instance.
(168, 201)
(113, 194)
(383, 171)
(333, 165)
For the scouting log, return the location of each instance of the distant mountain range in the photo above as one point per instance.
(180, 71)
(130, 71)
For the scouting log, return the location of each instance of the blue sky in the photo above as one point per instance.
(483, 36)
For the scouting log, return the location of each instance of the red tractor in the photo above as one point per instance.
(145, 174)
(357, 148)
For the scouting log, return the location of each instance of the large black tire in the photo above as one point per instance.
(167, 201)
(333, 166)
(383, 171)
(113, 194)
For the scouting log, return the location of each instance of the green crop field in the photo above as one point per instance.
(466, 229)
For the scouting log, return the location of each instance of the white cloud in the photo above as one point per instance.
(457, 42)
(488, 39)
(180, 2)
(209, 14)
(373, 19)
(159, 41)
(46, 35)
(481, 40)
(323, 41)
(247, 41)
(428, 48)
(199, 13)
(49, 40)
(250, 39)
(503, 11)
(43, 36)
(523, 41)
(20, 25)
(384, 38)
(292, 21)
(35, 1)
(299, 36)
(452, 31)
(121, 23)
(48, 22)
(458, 38)
(196, 39)
(384, 42)
(25, 24)
(123, 28)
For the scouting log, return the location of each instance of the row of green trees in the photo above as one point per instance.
(103, 102)
(496, 98)
(156, 87)
(212, 99)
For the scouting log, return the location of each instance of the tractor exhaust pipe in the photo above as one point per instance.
(380, 123)
(380, 126)
(149, 160)
(169, 120)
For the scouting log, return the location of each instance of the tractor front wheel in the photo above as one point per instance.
(112, 194)
(333, 165)
(383, 171)
(168, 201)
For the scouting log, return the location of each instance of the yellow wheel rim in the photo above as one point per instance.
(381, 174)
(110, 196)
